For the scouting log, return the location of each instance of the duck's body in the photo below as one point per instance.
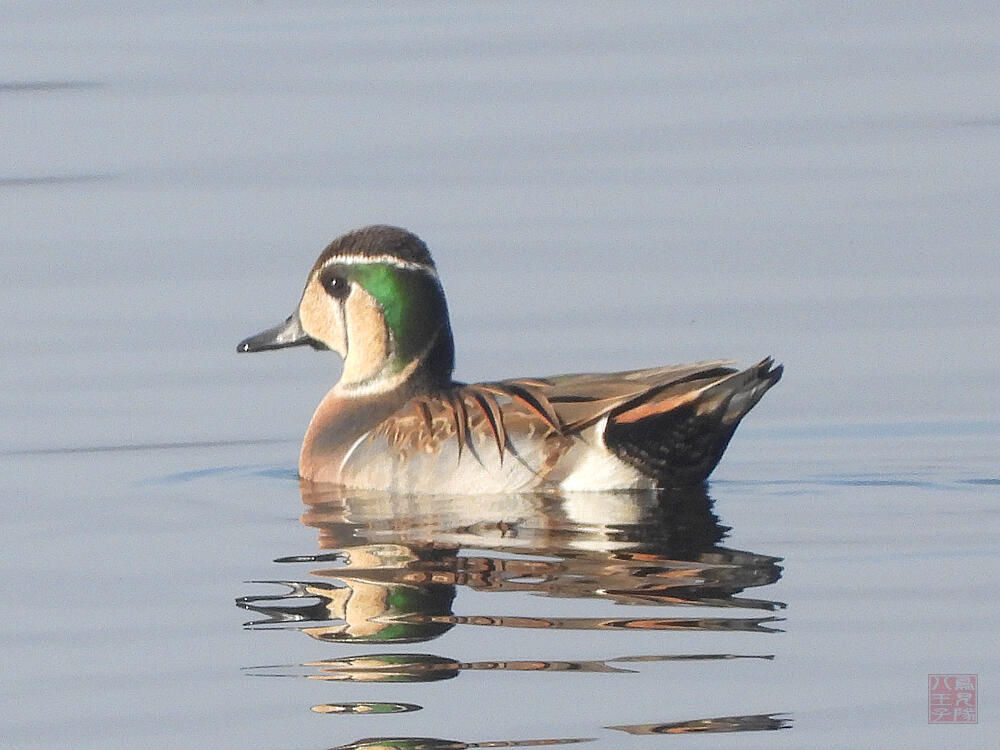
(396, 420)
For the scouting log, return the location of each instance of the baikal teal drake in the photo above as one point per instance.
(397, 421)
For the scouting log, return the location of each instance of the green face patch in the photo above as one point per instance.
(411, 301)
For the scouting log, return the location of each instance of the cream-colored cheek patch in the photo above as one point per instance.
(321, 320)
(367, 337)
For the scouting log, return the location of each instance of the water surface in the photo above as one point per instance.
(603, 188)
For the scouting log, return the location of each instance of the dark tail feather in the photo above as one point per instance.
(681, 436)
(743, 390)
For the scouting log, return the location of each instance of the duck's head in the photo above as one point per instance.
(373, 297)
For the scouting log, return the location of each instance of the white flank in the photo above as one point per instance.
(597, 468)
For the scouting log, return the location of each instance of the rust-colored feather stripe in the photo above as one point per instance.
(494, 417)
(648, 409)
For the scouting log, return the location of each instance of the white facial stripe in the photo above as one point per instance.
(375, 386)
(346, 260)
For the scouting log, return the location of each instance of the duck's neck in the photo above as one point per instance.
(420, 333)
(437, 362)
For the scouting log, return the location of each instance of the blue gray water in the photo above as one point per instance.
(603, 187)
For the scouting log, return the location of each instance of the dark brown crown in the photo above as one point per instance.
(377, 240)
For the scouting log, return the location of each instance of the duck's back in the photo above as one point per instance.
(626, 430)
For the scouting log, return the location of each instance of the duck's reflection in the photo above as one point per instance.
(430, 668)
(432, 743)
(390, 567)
(750, 723)
(399, 560)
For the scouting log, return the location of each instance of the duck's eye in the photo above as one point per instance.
(336, 286)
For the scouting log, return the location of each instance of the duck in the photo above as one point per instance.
(397, 421)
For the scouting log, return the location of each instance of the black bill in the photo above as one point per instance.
(289, 333)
